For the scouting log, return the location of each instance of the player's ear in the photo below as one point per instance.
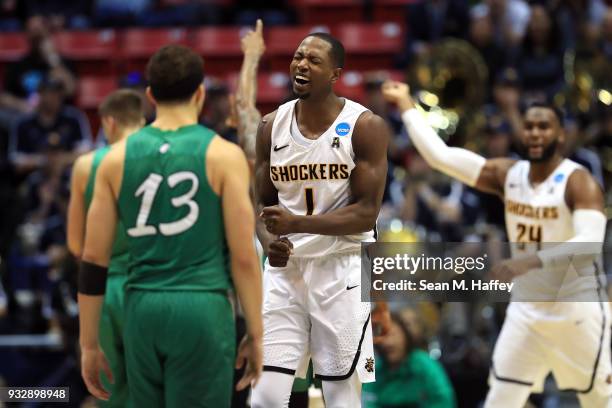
(561, 138)
(150, 96)
(200, 94)
(336, 75)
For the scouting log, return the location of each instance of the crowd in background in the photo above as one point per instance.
(532, 50)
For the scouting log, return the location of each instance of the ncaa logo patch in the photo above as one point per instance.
(342, 129)
(559, 178)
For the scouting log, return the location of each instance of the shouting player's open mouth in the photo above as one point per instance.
(301, 82)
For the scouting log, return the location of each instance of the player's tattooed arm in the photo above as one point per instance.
(247, 115)
(367, 181)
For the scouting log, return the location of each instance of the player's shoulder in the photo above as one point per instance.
(368, 119)
(224, 153)
(268, 119)
(581, 178)
(81, 170)
(115, 156)
(582, 190)
(83, 162)
(370, 130)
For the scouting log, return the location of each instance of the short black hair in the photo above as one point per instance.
(337, 49)
(547, 105)
(174, 73)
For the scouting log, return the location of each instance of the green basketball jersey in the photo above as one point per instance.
(120, 257)
(174, 220)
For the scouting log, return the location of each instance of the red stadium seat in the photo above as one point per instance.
(351, 86)
(13, 46)
(328, 12)
(138, 45)
(370, 46)
(220, 48)
(93, 52)
(90, 93)
(281, 43)
(272, 89)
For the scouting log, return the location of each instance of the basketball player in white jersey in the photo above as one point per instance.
(320, 174)
(548, 199)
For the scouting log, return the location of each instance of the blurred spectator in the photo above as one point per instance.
(577, 17)
(61, 13)
(12, 12)
(606, 34)
(505, 106)
(601, 135)
(399, 143)
(120, 13)
(52, 126)
(575, 150)
(429, 22)
(510, 18)
(482, 37)
(217, 110)
(40, 250)
(407, 376)
(540, 63)
(498, 140)
(151, 13)
(42, 62)
(435, 203)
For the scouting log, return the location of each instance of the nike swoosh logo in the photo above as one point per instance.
(351, 287)
(276, 148)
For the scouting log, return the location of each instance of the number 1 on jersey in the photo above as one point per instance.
(309, 201)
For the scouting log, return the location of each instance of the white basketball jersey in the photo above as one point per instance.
(312, 176)
(536, 217)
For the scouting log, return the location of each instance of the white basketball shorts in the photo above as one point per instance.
(571, 340)
(312, 309)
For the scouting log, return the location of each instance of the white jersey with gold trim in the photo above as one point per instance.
(537, 217)
(313, 176)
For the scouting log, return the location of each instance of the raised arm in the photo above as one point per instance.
(76, 208)
(462, 164)
(253, 47)
(367, 180)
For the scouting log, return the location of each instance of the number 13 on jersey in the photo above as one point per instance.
(148, 190)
